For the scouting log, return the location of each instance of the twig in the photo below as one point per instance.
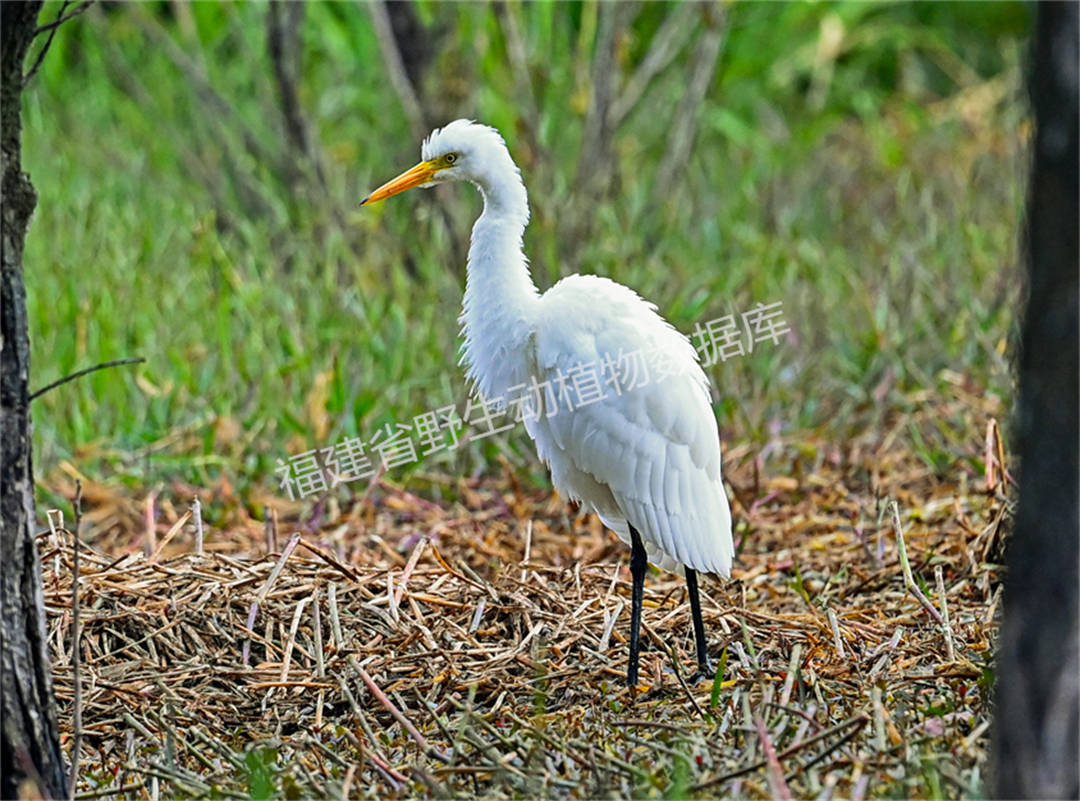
(61, 18)
(409, 567)
(111, 791)
(196, 512)
(330, 560)
(320, 657)
(687, 115)
(528, 551)
(76, 632)
(335, 618)
(347, 784)
(516, 50)
(396, 713)
(234, 759)
(860, 719)
(789, 681)
(905, 566)
(609, 625)
(395, 68)
(81, 373)
(774, 775)
(988, 618)
(137, 724)
(55, 518)
(172, 532)
(53, 26)
(316, 624)
(858, 722)
(283, 43)
(261, 596)
(395, 778)
(291, 642)
(669, 39)
(678, 675)
(879, 717)
(838, 641)
(270, 519)
(477, 615)
(391, 598)
(939, 578)
(990, 457)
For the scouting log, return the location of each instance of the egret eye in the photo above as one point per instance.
(450, 158)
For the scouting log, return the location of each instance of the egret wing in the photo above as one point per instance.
(645, 451)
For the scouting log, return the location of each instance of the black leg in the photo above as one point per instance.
(639, 562)
(704, 668)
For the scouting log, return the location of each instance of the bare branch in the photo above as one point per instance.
(905, 566)
(595, 164)
(283, 43)
(61, 18)
(81, 373)
(395, 67)
(687, 115)
(52, 28)
(673, 34)
(200, 82)
(507, 15)
(596, 139)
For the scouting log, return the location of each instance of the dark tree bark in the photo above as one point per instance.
(31, 747)
(1036, 742)
(414, 42)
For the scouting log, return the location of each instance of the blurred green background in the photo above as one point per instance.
(864, 164)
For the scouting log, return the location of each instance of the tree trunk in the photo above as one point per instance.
(31, 748)
(1037, 716)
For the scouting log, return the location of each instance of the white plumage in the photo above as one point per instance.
(649, 456)
(646, 456)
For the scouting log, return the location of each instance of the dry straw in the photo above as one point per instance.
(477, 647)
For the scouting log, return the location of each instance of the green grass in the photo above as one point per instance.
(874, 188)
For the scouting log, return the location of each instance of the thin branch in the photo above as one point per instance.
(283, 43)
(855, 724)
(52, 27)
(687, 116)
(202, 86)
(395, 67)
(196, 513)
(81, 373)
(595, 171)
(517, 53)
(686, 689)
(939, 578)
(879, 717)
(595, 138)
(669, 40)
(774, 774)
(396, 713)
(61, 18)
(905, 566)
(838, 641)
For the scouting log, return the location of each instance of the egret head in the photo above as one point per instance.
(462, 150)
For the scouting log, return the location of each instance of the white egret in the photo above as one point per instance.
(641, 451)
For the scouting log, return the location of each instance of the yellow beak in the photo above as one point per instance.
(420, 174)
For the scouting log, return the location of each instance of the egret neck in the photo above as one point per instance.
(498, 313)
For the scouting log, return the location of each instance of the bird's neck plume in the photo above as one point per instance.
(500, 297)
